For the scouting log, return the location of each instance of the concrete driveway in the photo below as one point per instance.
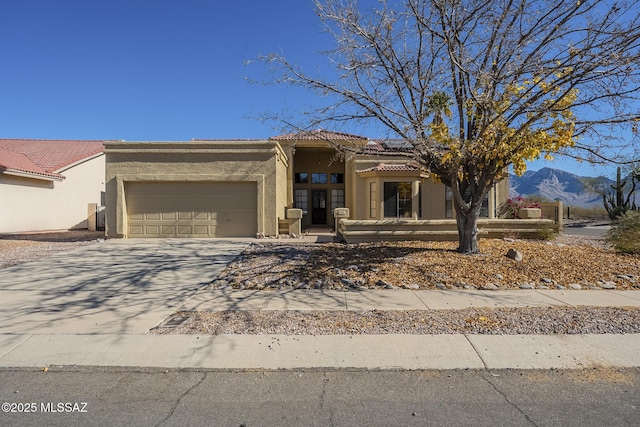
(114, 287)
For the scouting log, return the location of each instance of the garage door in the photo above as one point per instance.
(183, 209)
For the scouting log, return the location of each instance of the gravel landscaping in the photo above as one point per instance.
(499, 321)
(568, 262)
(17, 248)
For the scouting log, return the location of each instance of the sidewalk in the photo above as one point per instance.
(404, 299)
(376, 352)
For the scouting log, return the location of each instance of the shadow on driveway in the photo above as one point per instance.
(115, 287)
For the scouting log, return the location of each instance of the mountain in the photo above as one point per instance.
(551, 184)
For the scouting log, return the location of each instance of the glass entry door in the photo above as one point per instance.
(319, 207)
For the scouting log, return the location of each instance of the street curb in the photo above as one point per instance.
(282, 352)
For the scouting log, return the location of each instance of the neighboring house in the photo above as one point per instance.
(211, 188)
(48, 184)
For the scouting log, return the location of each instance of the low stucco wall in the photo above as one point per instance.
(262, 162)
(358, 231)
(38, 205)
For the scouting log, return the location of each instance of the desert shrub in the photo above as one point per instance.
(625, 233)
(548, 232)
(593, 212)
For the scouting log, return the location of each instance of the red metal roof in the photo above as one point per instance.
(45, 157)
(319, 134)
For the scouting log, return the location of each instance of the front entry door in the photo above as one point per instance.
(319, 210)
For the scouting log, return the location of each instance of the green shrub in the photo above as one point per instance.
(548, 232)
(625, 233)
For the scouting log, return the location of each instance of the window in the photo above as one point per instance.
(337, 198)
(484, 210)
(318, 178)
(448, 202)
(302, 178)
(337, 178)
(397, 200)
(300, 199)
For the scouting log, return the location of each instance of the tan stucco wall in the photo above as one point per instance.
(501, 194)
(272, 166)
(431, 205)
(433, 191)
(36, 205)
(361, 187)
(433, 199)
(357, 231)
(262, 162)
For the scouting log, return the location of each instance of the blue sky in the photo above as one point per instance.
(145, 70)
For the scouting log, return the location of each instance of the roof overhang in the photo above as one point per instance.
(32, 175)
(407, 170)
(393, 174)
(236, 148)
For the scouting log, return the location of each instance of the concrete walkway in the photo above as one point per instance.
(224, 300)
(94, 306)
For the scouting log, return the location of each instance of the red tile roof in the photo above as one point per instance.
(319, 134)
(45, 157)
(381, 167)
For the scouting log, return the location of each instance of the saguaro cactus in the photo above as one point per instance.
(615, 201)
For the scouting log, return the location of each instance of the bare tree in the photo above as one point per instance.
(526, 78)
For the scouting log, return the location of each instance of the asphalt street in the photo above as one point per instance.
(111, 396)
(592, 230)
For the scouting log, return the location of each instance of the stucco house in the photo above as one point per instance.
(48, 184)
(214, 188)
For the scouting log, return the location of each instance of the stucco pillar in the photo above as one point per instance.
(295, 221)
(353, 201)
(290, 174)
(92, 211)
(380, 196)
(415, 199)
(493, 202)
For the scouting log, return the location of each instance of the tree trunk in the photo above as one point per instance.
(467, 232)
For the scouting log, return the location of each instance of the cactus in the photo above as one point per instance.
(614, 201)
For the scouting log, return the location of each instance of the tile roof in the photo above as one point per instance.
(318, 134)
(382, 167)
(45, 157)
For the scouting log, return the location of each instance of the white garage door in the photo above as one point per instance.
(187, 209)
